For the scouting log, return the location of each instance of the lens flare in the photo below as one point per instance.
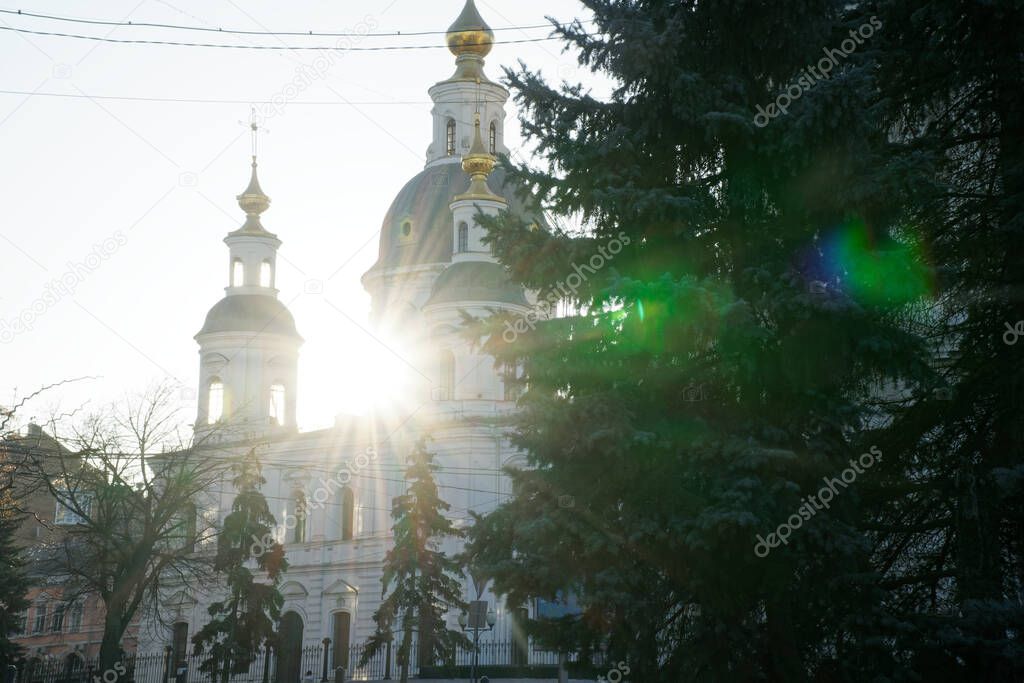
(873, 274)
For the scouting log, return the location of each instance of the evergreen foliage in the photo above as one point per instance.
(14, 586)
(420, 583)
(246, 619)
(761, 305)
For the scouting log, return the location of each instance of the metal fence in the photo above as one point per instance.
(160, 668)
(384, 664)
(302, 666)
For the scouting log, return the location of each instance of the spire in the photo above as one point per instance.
(253, 200)
(470, 39)
(478, 164)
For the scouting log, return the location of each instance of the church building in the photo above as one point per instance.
(331, 490)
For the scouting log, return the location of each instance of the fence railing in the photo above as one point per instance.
(305, 665)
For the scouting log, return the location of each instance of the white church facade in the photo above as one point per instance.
(332, 489)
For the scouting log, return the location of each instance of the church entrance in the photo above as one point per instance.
(289, 656)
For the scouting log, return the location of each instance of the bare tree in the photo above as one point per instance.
(129, 487)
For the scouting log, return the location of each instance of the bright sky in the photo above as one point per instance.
(156, 182)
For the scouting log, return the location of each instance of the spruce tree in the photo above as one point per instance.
(951, 527)
(420, 582)
(246, 619)
(734, 298)
(14, 585)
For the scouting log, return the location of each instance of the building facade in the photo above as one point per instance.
(59, 624)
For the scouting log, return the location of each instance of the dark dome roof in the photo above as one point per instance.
(475, 281)
(424, 203)
(250, 313)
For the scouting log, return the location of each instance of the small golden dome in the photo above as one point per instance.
(470, 34)
(478, 164)
(253, 200)
(478, 161)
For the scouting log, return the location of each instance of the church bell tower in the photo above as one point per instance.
(248, 346)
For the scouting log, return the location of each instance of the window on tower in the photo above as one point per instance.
(215, 401)
(463, 237)
(265, 273)
(450, 137)
(237, 273)
(299, 501)
(493, 139)
(348, 513)
(510, 385)
(447, 368)
(277, 408)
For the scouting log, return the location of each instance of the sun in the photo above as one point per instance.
(372, 372)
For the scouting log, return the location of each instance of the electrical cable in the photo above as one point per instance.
(191, 100)
(389, 34)
(175, 43)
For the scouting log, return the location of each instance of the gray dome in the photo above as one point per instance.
(475, 281)
(250, 313)
(423, 203)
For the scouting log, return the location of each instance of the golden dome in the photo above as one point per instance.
(470, 34)
(253, 200)
(478, 164)
(478, 161)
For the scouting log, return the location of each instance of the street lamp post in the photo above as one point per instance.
(480, 619)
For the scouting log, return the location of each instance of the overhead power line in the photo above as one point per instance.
(193, 100)
(199, 100)
(321, 48)
(210, 29)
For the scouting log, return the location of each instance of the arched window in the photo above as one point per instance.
(277, 407)
(40, 624)
(76, 617)
(57, 625)
(299, 534)
(493, 138)
(215, 401)
(266, 276)
(74, 665)
(348, 513)
(406, 229)
(237, 272)
(463, 237)
(183, 533)
(449, 144)
(447, 368)
(509, 383)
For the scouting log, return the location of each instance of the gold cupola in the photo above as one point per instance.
(254, 202)
(469, 34)
(470, 39)
(478, 164)
(253, 199)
